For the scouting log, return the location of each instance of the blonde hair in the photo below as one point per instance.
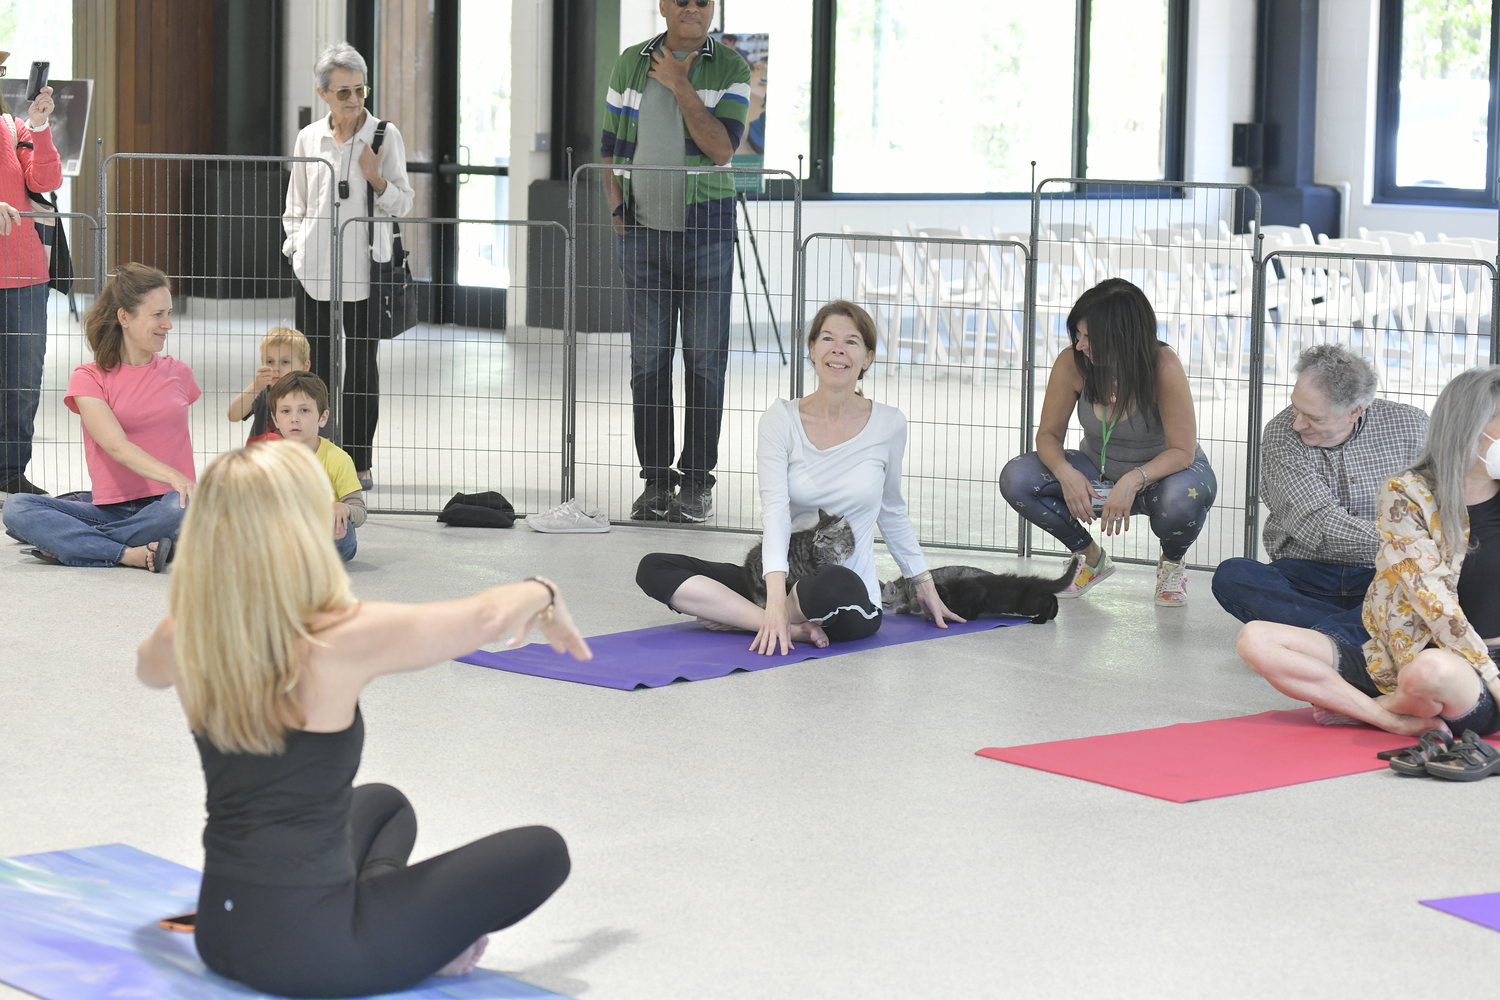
(285, 336)
(255, 564)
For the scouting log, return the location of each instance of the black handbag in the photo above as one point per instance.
(478, 510)
(393, 298)
(52, 232)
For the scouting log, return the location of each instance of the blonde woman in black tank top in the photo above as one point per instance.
(306, 887)
(1140, 450)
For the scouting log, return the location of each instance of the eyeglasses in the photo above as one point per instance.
(344, 93)
(701, 3)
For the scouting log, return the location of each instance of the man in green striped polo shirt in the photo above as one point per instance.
(678, 101)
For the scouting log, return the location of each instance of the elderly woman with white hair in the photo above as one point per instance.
(1433, 607)
(364, 178)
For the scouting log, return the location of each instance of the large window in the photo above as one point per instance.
(908, 97)
(1435, 136)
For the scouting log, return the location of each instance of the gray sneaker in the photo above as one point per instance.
(568, 518)
(692, 505)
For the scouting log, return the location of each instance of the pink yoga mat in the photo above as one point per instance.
(1207, 760)
(1483, 910)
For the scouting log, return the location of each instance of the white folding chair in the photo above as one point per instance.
(1405, 244)
(958, 276)
(1293, 235)
(885, 277)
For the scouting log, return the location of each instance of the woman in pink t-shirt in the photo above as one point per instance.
(134, 404)
(27, 160)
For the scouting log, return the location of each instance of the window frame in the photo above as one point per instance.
(1388, 121)
(821, 183)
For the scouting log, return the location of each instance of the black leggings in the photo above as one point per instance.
(833, 596)
(393, 926)
(361, 375)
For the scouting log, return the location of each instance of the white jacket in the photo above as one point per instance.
(307, 215)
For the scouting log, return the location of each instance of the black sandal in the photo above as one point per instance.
(1469, 760)
(45, 556)
(162, 556)
(1412, 761)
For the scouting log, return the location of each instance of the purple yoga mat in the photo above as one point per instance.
(1483, 910)
(655, 657)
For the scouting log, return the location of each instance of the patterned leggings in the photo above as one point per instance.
(1176, 504)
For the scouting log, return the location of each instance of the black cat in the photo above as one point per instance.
(829, 542)
(970, 593)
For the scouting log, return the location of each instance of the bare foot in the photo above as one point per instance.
(140, 556)
(1328, 717)
(467, 959)
(714, 626)
(809, 632)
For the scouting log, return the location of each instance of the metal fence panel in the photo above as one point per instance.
(631, 280)
(471, 399)
(56, 443)
(213, 224)
(1419, 320)
(1180, 243)
(949, 312)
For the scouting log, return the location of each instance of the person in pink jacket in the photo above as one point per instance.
(27, 160)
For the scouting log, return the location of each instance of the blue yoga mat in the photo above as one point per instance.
(655, 657)
(82, 925)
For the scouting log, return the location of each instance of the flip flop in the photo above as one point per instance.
(1469, 760)
(1412, 761)
(46, 557)
(162, 555)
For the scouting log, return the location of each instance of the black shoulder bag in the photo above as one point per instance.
(393, 300)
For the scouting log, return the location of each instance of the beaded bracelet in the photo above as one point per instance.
(545, 615)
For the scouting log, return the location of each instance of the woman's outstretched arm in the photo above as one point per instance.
(386, 638)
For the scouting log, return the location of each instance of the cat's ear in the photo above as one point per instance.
(823, 516)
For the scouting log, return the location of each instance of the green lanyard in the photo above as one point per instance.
(1109, 428)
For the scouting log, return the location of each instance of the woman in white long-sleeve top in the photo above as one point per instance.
(344, 138)
(832, 450)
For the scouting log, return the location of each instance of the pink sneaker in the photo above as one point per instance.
(1087, 576)
(1171, 584)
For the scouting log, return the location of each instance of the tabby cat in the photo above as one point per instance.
(970, 593)
(829, 542)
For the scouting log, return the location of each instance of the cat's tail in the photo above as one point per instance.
(1061, 583)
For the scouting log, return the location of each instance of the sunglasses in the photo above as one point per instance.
(344, 93)
(701, 3)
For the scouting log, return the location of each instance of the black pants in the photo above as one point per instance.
(392, 927)
(833, 596)
(361, 376)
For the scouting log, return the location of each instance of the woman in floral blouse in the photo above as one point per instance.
(1433, 608)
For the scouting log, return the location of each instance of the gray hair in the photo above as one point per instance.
(1467, 403)
(339, 55)
(1347, 379)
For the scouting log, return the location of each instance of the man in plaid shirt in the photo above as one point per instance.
(1324, 461)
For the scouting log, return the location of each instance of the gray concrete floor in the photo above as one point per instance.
(822, 829)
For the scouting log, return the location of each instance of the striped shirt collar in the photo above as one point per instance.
(707, 50)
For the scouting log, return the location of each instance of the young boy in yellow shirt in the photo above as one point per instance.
(298, 404)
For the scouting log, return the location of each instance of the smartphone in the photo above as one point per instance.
(183, 923)
(37, 80)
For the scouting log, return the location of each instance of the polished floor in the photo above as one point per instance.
(822, 829)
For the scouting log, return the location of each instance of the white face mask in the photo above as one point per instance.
(1491, 456)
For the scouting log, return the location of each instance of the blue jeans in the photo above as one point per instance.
(81, 534)
(347, 545)
(670, 276)
(1177, 504)
(1299, 592)
(23, 351)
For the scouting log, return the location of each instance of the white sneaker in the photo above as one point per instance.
(1171, 584)
(568, 518)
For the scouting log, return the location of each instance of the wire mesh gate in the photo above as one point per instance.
(948, 313)
(722, 284)
(969, 330)
(56, 443)
(468, 400)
